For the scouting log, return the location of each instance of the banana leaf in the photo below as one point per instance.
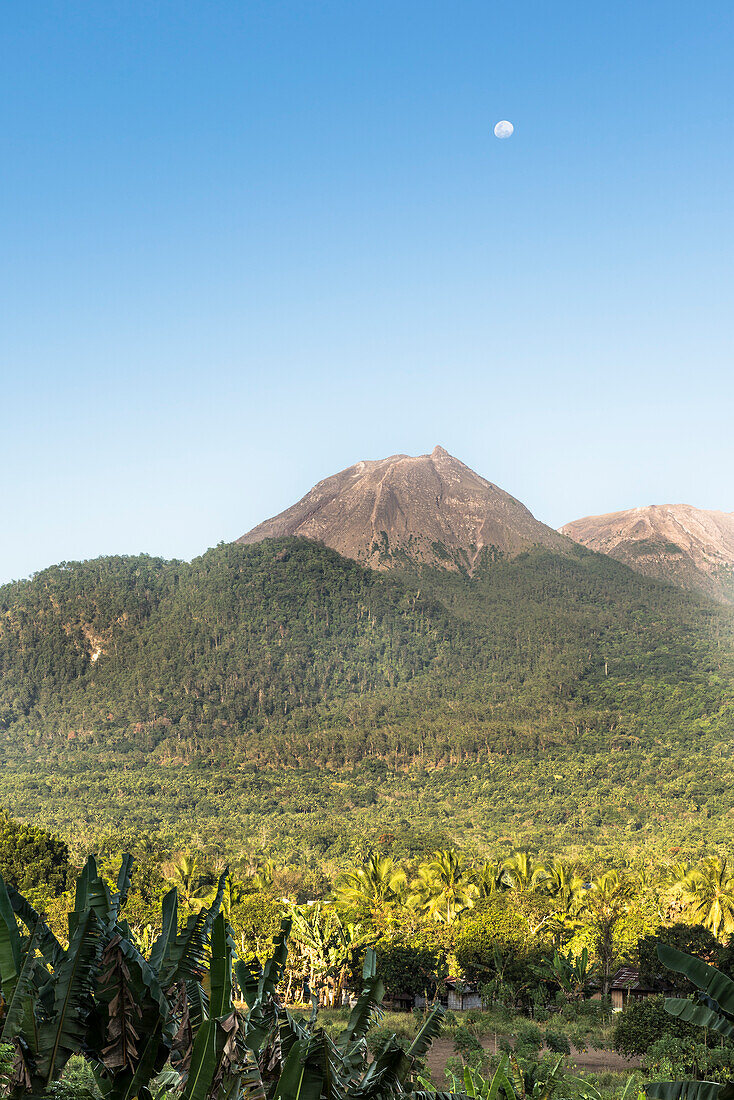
(124, 880)
(11, 954)
(515, 1080)
(322, 1059)
(18, 1019)
(208, 1047)
(184, 956)
(500, 1080)
(430, 1031)
(248, 981)
(688, 1090)
(369, 964)
(92, 892)
(220, 970)
(65, 1033)
(699, 1014)
(707, 978)
(49, 946)
(169, 926)
(298, 1079)
(385, 1076)
(214, 909)
(274, 967)
(260, 1025)
(369, 1003)
(198, 1003)
(290, 1030)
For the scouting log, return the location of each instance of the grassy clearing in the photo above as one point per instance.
(479, 1037)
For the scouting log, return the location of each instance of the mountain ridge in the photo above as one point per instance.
(690, 547)
(430, 509)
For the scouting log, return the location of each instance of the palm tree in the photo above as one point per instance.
(375, 888)
(233, 894)
(193, 888)
(563, 882)
(708, 893)
(520, 874)
(488, 879)
(566, 887)
(603, 905)
(443, 888)
(262, 877)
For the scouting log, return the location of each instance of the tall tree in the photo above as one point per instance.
(373, 890)
(443, 888)
(603, 905)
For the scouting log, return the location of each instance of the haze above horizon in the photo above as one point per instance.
(247, 246)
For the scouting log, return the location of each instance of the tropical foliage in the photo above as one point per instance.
(133, 1016)
(712, 1010)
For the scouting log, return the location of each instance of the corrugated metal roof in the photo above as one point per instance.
(628, 977)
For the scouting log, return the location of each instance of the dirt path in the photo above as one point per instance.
(592, 1061)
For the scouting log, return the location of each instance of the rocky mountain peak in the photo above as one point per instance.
(678, 543)
(428, 508)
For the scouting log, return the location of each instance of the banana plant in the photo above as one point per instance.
(714, 1010)
(513, 1083)
(100, 996)
(133, 1016)
(297, 1060)
(221, 1065)
(571, 973)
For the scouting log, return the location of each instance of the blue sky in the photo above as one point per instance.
(245, 244)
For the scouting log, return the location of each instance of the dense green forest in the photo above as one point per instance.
(280, 689)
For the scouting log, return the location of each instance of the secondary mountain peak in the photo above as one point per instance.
(430, 508)
(687, 546)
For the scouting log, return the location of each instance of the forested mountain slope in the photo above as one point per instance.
(134, 690)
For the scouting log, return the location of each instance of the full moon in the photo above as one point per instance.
(504, 129)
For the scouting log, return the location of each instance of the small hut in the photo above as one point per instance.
(461, 996)
(627, 986)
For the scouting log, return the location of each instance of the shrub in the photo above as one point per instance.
(645, 1022)
(465, 1041)
(77, 1081)
(529, 1040)
(405, 968)
(557, 1042)
(673, 1057)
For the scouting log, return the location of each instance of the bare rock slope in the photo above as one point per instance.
(672, 542)
(432, 509)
